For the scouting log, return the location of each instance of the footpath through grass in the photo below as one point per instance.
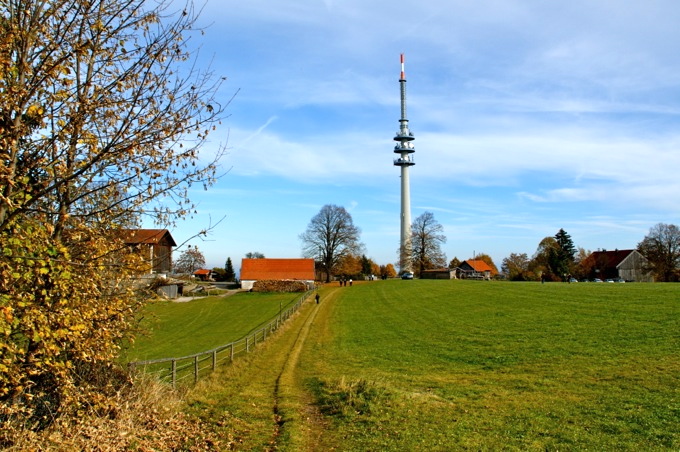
(447, 365)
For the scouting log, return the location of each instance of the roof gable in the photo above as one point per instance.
(634, 259)
(147, 236)
(277, 269)
(608, 258)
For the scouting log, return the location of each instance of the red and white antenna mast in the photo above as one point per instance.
(405, 149)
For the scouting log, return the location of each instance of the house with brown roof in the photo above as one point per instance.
(277, 270)
(155, 246)
(475, 269)
(626, 265)
(204, 274)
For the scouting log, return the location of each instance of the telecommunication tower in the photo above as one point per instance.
(405, 149)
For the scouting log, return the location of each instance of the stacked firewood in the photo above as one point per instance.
(272, 285)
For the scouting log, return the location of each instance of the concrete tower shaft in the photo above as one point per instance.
(405, 149)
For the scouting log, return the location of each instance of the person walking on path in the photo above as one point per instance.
(317, 298)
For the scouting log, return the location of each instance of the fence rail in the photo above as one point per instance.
(198, 364)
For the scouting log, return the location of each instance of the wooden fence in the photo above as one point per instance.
(196, 365)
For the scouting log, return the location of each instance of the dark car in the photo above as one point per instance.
(407, 275)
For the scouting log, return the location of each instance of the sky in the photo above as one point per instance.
(528, 116)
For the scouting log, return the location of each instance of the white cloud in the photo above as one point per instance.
(528, 116)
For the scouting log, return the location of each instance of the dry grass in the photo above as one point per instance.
(147, 417)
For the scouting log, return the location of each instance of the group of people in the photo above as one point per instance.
(343, 282)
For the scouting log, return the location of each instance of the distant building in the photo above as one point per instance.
(155, 246)
(438, 273)
(628, 265)
(276, 269)
(475, 269)
(204, 274)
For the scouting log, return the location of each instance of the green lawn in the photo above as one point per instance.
(171, 329)
(427, 365)
(449, 365)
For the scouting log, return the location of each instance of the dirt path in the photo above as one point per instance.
(264, 401)
(300, 425)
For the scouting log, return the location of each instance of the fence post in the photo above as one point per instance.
(214, 366)
(231, 352)
(247, 344)
(174, 372)
(196, 369)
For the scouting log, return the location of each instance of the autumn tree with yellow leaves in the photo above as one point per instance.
(102, 116)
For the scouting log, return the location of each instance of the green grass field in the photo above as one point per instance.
(462, 365)
(170, 329)
(485, 365)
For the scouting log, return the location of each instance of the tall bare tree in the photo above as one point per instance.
(427, 236)
(102, 117)
(190, 260)
(330, 236)
(661, 247)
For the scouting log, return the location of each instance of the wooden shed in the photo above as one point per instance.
(438, 273)
(155, 245)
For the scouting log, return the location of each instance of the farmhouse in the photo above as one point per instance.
(276, 269)
(438, 273)
(475, 269)
(204, 274)
(155, 245)
(628, 265)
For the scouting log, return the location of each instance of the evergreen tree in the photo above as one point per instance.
(561, 258)
(366, 265)
(229, 274)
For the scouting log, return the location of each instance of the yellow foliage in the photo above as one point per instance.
(88, 141)
(48, 349)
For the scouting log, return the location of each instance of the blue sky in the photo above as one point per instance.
(529, 116)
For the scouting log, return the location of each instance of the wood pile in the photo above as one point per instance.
(272, 285)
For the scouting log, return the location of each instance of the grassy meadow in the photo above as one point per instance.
(441, 365)
(453, 365)
(171, 329)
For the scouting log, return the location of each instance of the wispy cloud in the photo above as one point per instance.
(528, 117)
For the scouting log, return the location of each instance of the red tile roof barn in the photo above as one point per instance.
(277, 269)
(479, 266)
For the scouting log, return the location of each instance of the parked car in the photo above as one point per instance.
(573, 280)
(407, 275)
(597, 280)
(619, 280)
